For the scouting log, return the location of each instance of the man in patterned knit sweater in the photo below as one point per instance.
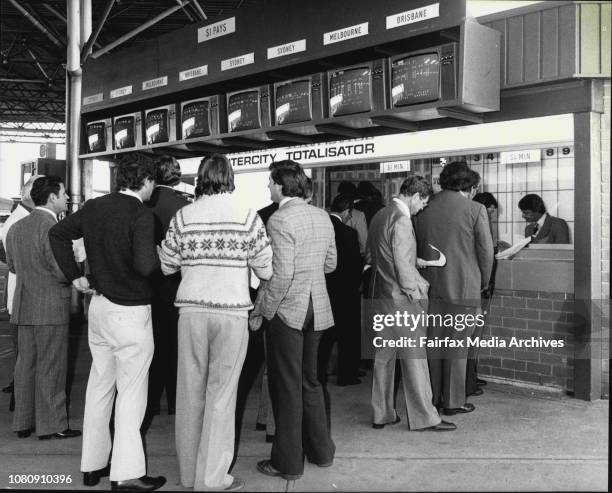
(213, 242)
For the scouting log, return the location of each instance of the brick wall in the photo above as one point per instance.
(526, 314)
(605, 240)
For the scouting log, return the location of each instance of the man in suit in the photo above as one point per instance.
(542, 227)
(41, 310)
(296, 306)
(119, 236)
(22, 210)
(164, 203)
(355, 218)
(370, 201)
(458, 227)
(396, 285)
(343, 290)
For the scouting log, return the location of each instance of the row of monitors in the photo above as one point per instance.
(424, 76)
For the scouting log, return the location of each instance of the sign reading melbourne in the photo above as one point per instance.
(346, 33)
(411, 16)
(121, 91)
(217, 30)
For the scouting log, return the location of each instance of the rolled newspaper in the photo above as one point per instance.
(441, 262)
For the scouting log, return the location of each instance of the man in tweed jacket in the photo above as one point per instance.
(297, 307)
(41, 309)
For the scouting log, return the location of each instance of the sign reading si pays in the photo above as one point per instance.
(217, 30)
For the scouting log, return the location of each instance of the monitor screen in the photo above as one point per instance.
(156, 126)
(96, 137)
(293, 102)
(194, 119)
(350, 91)
(124, 132)
(243, 111)
(415, 79)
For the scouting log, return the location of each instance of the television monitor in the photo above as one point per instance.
(248, 109)
(202, 117)
(299, 100)
(97, 136)
(424, 76)
(357, 89)
(159, 124)
(124, 131)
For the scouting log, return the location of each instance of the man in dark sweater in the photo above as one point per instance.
(118, 233)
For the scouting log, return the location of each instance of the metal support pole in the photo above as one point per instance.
(73, 122)
(85, 22)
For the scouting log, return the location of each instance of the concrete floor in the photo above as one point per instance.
(517, 439)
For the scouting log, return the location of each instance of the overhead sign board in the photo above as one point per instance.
(216, 30)
(412, 16)
(395, 166)
(526, 156)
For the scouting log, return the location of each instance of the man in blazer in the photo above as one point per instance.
(343, 289)
(164, 203)
(41, 310)
(396, 285)
(542, 227)
(296, 306)
(458, 227)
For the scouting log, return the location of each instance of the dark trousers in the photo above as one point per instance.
(347, 333)
(162, 373)
(297, 397)
(447, 366)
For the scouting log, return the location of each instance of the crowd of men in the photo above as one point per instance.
(171, 309)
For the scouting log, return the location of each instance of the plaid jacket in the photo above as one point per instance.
(304, 249)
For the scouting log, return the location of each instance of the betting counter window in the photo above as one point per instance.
(551, 177)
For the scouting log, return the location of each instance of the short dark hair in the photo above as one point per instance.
(416, 184)
(341, 203)
(347, 188)
(366, 190)
(167, 171)
(308, 188)
(43, 187)
(291, 176)
(133, 168)
(485, 198)
(215, 175)
(457, 176)
(532, 202)
(475, 178)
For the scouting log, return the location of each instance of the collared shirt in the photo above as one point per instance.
(41, 208)
(165, 186)
(540, 221)
(403, 207)
(285, 200)
(336, 215)
(127, 191)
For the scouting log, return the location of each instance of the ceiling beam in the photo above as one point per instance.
(138, 30)
(37, 24)
(85, 52)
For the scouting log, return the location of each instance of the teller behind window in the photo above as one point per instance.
(542, 227)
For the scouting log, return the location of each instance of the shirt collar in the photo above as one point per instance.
(335, 214)
(127, 191)
(49, 211)
(540, 222)
(285, 200)
(403, 207)
(164, 186)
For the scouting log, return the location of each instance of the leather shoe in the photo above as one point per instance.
(477, 392)
(441, 426)
(171, 411)
(376, 426)
(481, 382)
(361, 373)
(266, 467)
(466, 408)
(145, 483)
(67, 433)
(237, 484)
(92, 478)
(9, 388)
(260, 426)
(25, 433)
(270, 438)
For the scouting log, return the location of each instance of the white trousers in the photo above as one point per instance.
(121, 344)
(211, 351)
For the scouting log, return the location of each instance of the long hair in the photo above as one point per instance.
(215, 175)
